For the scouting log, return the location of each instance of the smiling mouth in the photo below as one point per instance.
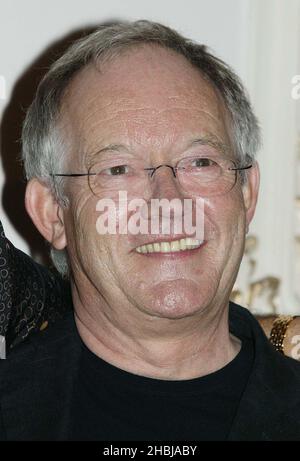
(175, 246)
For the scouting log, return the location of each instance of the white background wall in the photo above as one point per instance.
(259, 38)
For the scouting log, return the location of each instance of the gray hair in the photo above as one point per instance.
(43, 145)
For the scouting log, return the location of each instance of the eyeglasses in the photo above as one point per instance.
(203, 176)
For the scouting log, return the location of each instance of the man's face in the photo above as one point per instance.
(155, 104)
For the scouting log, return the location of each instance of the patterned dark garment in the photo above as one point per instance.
(31, 296)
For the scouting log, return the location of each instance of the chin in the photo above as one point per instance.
(177, 299)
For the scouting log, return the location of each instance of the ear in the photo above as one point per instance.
(46, 213)
(250, 192)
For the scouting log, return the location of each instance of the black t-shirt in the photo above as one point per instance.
(112, 404)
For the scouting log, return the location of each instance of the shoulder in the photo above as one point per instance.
(30, 294)
(36, 383)
(44, 363)
(242, 322)
(54, 344)
(270, 406)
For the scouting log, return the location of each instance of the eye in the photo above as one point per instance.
(202, 162)
(117, 170)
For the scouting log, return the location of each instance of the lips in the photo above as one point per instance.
(174, 246)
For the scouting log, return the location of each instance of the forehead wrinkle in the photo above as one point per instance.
(120, 102)
(114, 103)
(149, 117)
(132, 112)
(111, 99)
(155, 132)
(158, 132)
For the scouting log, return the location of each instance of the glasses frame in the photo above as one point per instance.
(153, 170)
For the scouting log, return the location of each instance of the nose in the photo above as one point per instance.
(169, 216)
(164, 182)
(161, 166)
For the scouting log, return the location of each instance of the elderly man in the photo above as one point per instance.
(154, 350)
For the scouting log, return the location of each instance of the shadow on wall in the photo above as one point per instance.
(11, 127)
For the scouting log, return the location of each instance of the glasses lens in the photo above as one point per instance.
(118, 176)
(206, 176)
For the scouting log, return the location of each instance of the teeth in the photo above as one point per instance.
(170, 247)
(175, 246)
(149, 248)
(156, 247)
(165, 247)
(182, 243)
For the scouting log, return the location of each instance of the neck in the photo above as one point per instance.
(155, 347)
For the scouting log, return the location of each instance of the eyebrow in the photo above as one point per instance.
(109, 147)
(211, 141)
